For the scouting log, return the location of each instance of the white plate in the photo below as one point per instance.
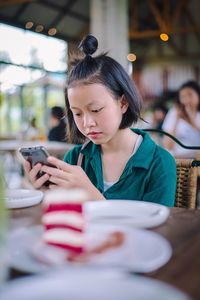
(137, 213)
(18, 198)
(89, 284)
(142, 251)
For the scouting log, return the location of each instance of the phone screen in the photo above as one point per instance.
(35, 155)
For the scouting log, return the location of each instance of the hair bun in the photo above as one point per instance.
(88, 45)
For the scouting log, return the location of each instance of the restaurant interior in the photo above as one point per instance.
(124, 248)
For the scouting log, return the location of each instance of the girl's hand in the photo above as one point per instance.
(32, 174)
(70, 176)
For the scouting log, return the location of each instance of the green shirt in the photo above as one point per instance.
(149, 175)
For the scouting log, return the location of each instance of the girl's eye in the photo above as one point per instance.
(97, 110)
(77, 114)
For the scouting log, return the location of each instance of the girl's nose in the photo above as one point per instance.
(88, 121)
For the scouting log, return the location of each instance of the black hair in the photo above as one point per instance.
(192, 85)
(104, 70)
(160, 106)
(57, 112)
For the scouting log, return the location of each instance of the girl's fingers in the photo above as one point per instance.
(60, 182)
(60, 164)
(52, 186)
(54, 172)
(40, 181)
(27, 166)
(34, 171)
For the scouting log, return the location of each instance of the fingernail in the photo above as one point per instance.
(50, 157)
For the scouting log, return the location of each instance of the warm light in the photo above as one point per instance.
(39, 28)
(52, 31)
(29, 25)
(131, 57)
(164, 37)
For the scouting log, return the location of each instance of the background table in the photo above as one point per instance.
(182, 230)
(55, 148)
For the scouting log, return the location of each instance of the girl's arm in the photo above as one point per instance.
(161, 187)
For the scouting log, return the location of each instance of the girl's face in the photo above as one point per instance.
(96, 112)
(189, 98)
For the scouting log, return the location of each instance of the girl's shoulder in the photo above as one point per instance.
(163, 157)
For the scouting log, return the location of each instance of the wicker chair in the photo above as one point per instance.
(186, 187)
(188, 171)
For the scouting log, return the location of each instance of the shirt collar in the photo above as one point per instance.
(141, 159)
(90, 150)
(145, 153)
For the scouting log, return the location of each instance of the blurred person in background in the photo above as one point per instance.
(33, 132)
(57, 123)
(29, 131)
(159, 114)
(183, 121)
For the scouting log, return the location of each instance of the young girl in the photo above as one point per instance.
(116, 162)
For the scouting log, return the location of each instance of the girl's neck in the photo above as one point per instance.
(124, 140)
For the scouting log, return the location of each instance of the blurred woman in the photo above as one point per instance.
(183, 121)
(57, 130)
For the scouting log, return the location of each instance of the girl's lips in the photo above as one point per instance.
(93, 134)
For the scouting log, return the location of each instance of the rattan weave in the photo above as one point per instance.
(186, 189)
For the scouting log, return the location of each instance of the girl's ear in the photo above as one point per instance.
(124, 104)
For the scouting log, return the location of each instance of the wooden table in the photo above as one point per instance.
(182, 230)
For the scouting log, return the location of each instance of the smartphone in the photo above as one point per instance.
(36, 155)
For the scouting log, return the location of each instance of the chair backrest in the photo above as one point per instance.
(187, 171)
(162, 132)
(186, 188)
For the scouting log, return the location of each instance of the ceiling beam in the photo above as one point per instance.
(13, 2)
(78, 16)
(166, 12)
(156, 13)
(156, 33)
(169, 57)
(20, 11)
(134, 15)
(58, 8)
(84, 32)
(63, 13)
(178, 10)
(44, 32)
(192, 22)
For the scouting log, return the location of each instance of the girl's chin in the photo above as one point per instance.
(96, 142)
